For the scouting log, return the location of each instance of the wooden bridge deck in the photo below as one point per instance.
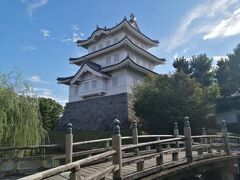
(127, 170)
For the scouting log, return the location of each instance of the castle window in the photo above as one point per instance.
(108, 60)
(114, 81)
(93, 48)
(116, 57)
(100, 46)
(94, 84)
(86, 86)
(108, 43)
(115, 40)
(75, 90)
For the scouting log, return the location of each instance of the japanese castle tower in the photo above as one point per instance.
(101, 90)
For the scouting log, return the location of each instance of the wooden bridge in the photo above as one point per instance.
(142, 156)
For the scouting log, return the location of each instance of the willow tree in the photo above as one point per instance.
(20, 123)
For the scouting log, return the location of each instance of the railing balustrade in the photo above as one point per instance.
(141, 149)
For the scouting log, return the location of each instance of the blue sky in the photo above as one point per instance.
(37, 36)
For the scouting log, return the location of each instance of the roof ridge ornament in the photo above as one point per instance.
(132, 17)
(97, 27)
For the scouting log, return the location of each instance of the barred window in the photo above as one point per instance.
(86, 86)
(116, 57)
(94, 84)
(115, 81)
(108, 60)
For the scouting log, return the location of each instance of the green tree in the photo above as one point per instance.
(50, 112)
(202, 71)
(228, 73)
(181, 64)
(163, 100)
(20, 122)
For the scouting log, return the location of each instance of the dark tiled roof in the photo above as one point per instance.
(94, 66)
(98, 68)
(128, 58)
(64, 78)
(109, 29)
(74, 59)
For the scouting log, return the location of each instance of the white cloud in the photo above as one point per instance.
(66, 39)
(217, 58)
(74, 38)
(227, 27)
(28, 48)
(37, 79)
(200, 19)
(43, 91)
(75, 27)
(175, 55)
(34, 5)
(48, 93)
(45, 33)
(186, 50)
(76, 34)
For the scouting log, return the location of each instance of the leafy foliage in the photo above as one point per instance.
(198, 67)
(228, 73)
(163, 100)
(50, 111)
(182, 65)
(20, 122)
(201, 67)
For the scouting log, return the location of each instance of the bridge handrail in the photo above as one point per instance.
(206, 136)
(234, 137)
(134, 146)
(124, 137)
(68, 167)
(31, 147)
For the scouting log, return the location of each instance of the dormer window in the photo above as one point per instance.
(116, 57)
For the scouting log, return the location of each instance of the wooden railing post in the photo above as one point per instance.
(225, 137)
(68, 144)
(204, 140)
(117, 146)
(176, 135)
(209, 149)
(135, 136)
(188, 139)
(75, 174)
(159, 159)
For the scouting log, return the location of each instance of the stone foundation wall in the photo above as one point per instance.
(98, 113)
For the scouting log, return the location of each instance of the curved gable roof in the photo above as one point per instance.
(87, 66)
(102, 71)
(124, 22)
(127, 62)
(124, 41)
